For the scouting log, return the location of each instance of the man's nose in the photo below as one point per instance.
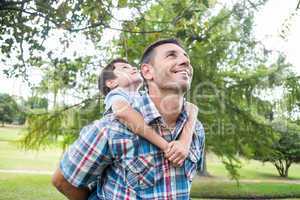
(184, 61)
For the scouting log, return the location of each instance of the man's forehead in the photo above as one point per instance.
(169, 47)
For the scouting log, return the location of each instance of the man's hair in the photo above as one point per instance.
(107, 73)
(149, 51)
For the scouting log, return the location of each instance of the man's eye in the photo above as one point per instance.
(171, 55)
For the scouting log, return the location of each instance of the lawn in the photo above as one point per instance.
(18, 159)
(27, 187)
(266, 190)
(257, 179)
(251, 169)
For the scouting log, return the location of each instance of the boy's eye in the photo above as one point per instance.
(125, 67)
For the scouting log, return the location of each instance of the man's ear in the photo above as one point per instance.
(147, 71)
(112, 83)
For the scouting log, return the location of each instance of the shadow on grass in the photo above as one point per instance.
(265, 175)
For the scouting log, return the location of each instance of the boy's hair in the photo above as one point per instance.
(149, 51)
(107, 73)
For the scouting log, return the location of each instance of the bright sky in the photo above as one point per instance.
(268, 27)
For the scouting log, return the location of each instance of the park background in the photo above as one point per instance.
(246, 85)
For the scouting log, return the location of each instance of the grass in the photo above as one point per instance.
(217, 189)
(27, 187)
(252, 169)
(18, 159)
(257, 179)
(10, 133)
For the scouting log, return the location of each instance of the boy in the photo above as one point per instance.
(119, 82)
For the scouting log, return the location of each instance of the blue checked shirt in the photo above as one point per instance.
(128, 167)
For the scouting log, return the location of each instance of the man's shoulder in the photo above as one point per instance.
(112, 126)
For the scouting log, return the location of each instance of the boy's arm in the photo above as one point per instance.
(188, 129)
(180, 149)
(135, 122)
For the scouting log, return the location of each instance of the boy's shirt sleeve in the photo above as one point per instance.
(115, 95)
(87, 158)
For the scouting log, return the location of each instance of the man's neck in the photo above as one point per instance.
(168, 103)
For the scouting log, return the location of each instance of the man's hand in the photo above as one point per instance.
(176, 153)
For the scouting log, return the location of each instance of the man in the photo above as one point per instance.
(125, 165)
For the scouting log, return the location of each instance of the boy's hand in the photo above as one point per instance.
(176, 153)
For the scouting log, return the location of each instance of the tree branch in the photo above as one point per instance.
(3, 4)
(22, 39)
(32, 13)
(118, 29)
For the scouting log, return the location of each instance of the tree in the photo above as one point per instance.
(285, 152)
(8, 109)
(26, 25)
(36, 102)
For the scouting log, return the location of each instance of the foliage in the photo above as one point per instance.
(285, 151)
(26, 25)
(8, 108)
(62, 124)
(36, 102)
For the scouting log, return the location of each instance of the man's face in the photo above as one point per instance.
(126, 74)
(171, 68)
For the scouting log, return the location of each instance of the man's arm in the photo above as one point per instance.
(67, 189)
(84, 162)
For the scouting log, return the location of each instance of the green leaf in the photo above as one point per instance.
(122, 3)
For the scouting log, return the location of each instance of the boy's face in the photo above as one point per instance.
(126, 75)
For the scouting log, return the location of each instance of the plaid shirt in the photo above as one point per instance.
(126, 166)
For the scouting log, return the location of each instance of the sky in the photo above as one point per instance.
(268, 26)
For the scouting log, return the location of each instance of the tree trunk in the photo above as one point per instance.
(2, 124)
(283, 167)
(279, 166)
(54, 99)
(287, 166)
(204, 171)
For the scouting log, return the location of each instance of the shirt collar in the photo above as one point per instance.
(148, 109)
(150, 112)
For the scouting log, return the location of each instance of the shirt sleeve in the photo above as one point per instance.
(115, 95)
(86, 159)
(201, 139)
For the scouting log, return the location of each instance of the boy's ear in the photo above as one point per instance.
(112, 83)
(147, 71)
